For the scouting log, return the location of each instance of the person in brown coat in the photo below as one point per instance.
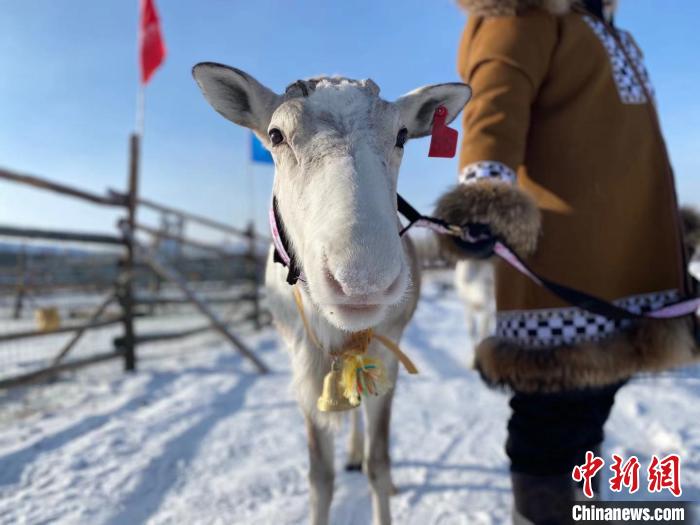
(564, 160)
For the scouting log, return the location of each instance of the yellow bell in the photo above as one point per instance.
(332, 398)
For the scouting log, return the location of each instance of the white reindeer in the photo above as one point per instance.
(474, 283)
(337, 148)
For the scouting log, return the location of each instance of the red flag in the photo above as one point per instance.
(151, 41)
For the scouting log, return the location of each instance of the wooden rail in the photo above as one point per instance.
(193, 217)
(184, 240)
(45, 184)
(55, 235)
(145, 300)
(47, 373)
(177, 334)
(29, 334)
(80, 331)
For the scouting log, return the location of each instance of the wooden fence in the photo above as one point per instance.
(124, 292)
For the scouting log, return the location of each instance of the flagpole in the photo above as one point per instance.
(140, 109)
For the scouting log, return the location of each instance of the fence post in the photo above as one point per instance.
(128, 342)
(22, 282)
(253, 270)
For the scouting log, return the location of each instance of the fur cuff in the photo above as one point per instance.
(510, 213)
(650, 346)
(514, 7)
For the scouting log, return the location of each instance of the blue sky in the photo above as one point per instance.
(69, 86)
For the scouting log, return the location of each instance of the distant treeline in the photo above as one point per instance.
(41, 267)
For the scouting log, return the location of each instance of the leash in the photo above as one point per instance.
(477, 241)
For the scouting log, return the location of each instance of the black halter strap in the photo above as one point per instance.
(293, 271)
(413, 216)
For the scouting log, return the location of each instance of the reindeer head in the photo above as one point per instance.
(337, 148)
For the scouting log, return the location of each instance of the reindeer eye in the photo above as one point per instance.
(401, 137)
(276, 136)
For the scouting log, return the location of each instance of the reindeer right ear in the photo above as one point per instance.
(237, 96)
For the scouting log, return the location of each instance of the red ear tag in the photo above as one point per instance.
(444, 139)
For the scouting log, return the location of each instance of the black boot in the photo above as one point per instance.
(543, 500)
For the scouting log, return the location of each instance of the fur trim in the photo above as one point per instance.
(510, 212)
(514, 7)
(690, 217)
(650, 346)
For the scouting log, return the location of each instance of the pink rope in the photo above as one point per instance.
(676, 310)
(504, 253)
(276, 239)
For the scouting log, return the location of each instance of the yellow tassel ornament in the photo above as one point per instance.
(353, 374)
(363, 376)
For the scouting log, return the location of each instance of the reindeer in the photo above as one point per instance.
(337, 148)
(475, 286)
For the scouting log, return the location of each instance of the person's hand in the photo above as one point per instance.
(477, 241)
(503, 210)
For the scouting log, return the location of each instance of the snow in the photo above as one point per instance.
(197, 437)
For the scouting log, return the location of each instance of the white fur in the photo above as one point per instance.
(474, 282)
(335, 184)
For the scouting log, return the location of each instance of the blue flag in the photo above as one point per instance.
(258, 152)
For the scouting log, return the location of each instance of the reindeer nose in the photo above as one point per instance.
(360, 284)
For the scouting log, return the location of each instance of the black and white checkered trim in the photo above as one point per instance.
(558, 326)
(629, 88)
(486, 169)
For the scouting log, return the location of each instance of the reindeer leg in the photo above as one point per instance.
(355, 443)
(377, 462)
(321, 473)
(484, 324)
(473, 325)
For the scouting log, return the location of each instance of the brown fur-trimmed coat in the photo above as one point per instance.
(594, 206)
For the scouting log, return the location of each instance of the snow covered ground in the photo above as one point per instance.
(197, 437)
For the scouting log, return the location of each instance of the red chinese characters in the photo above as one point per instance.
(665, 474)
(662, 474)
(625, 474)
(587, 472)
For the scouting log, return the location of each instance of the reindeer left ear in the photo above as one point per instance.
(237, 96)
(418, 106)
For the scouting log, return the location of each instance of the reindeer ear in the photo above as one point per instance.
(418, 106)
(237, 96)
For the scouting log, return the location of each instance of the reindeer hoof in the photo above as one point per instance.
(353, 467)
